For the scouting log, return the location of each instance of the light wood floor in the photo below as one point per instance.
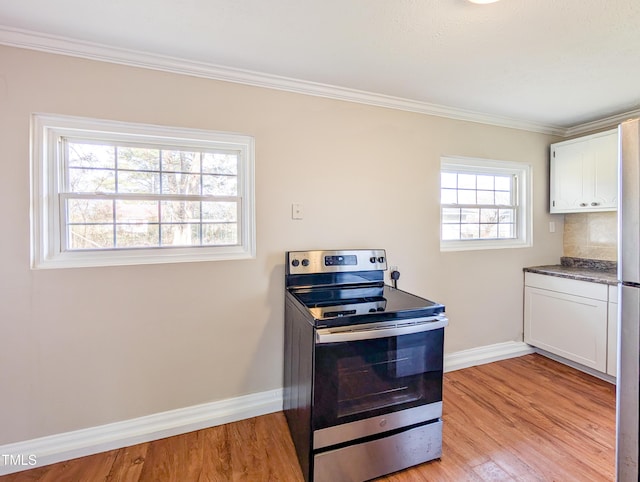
(524, 419)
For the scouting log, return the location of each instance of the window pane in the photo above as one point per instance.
(466, 181)
(181, 161)
(507, 215)
(180, 234)
(90, 155)
(90, 236)
(448, 196)
(219, 185)
(503, 198)
(450, 231)
(220, 212)
(179, 183)
(488, 215)
(470, 215)
(488, 231)
(503, 183)
(506, 231)
(89, 211)
(450, 215)
(486, 197)
(469, 231)
(485, 182)
(467, 197)
(449, 180)
(219, 163)
(136, 212)
(219, 234)
(92, 180)
(137, 235)
(180, 211)
(138, 159)
(138, 182)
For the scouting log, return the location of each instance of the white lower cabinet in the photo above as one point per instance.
(568, 318)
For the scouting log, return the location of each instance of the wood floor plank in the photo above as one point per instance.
(92, 467)
(173, 459)
(527, 419)
(128, 464)
(216, 463)
(493, 472)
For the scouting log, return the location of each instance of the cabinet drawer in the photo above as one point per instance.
(574, 287)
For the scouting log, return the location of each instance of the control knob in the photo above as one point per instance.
(305, 262)
(372, 259)
(381, 259)
(295, 262)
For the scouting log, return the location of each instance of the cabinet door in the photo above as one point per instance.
(604, 152)
(568, 165)
(570, 326)
(584, 174)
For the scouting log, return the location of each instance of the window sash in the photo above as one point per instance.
(66, 224)
(511, 224)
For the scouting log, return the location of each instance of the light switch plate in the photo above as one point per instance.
(296, 211)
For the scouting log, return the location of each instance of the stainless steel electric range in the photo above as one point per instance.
(363, 367)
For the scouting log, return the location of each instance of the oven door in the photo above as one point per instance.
(376, 377)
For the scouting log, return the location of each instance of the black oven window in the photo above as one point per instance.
(361, 379)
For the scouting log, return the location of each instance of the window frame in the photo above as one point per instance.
(522, 187)
(47, 176)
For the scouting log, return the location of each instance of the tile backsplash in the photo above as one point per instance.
(591, 235)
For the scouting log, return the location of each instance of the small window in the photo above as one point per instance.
(112, 193)
(484, 204)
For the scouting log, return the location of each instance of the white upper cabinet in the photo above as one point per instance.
(584, 174)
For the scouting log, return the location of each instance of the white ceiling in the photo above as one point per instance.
(550, 63)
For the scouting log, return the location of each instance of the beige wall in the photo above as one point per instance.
(83, 347)
(591, 235)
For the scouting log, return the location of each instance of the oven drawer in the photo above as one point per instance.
(345, 432)
(368, 460)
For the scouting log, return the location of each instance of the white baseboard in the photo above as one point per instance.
(38, 452)
(42, 451)
(485, 354)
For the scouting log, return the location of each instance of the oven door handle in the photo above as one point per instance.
(329, 335)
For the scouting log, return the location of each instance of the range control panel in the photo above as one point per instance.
(311, 262)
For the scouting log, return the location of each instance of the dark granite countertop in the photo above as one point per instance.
(595, 271)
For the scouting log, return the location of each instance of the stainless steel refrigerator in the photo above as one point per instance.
(629, 303)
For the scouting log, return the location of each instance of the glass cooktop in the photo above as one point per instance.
(363, 303)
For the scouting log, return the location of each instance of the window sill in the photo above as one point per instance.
(476, 245)
(86, 259)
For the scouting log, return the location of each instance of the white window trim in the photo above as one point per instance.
(46, 162)
(525, 210)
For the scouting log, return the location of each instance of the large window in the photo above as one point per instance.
(114, 193)
(484, 204)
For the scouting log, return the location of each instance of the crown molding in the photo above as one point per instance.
(601, 124)
(76, 48)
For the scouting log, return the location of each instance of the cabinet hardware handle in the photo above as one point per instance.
(595, 203)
